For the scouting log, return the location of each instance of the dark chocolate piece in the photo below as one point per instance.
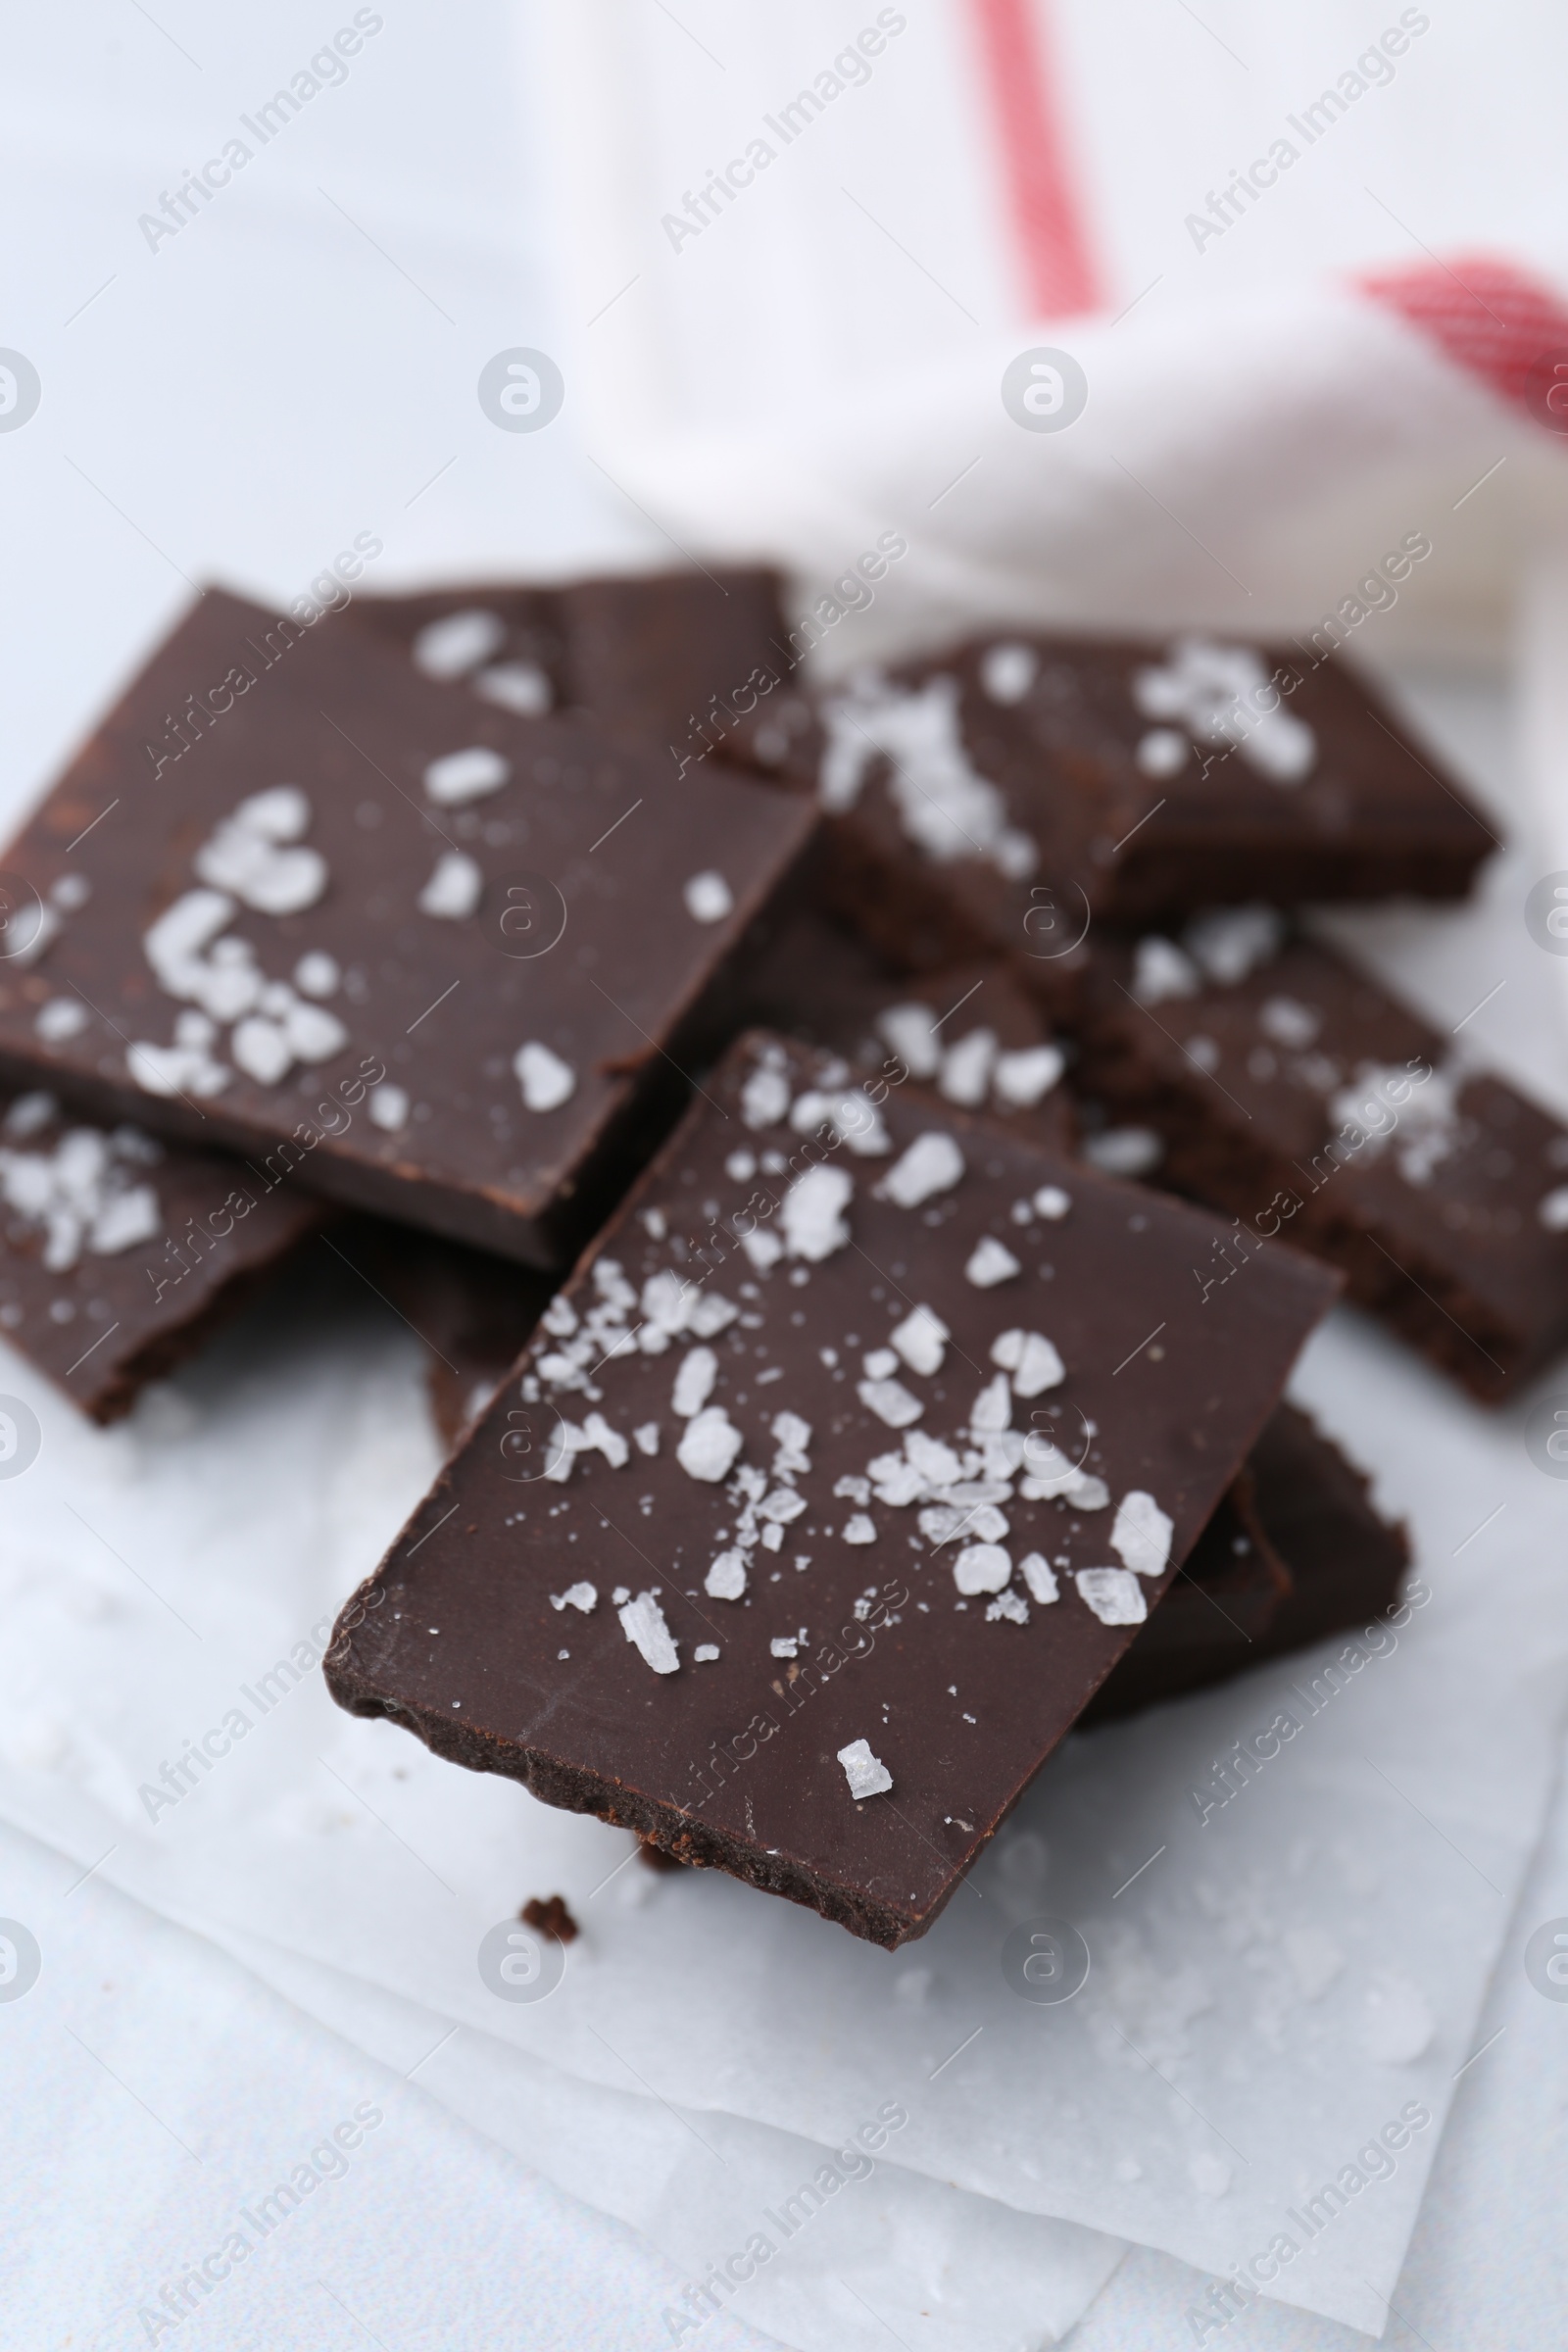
(1292, 1091)
(1294, 1553)
(993, 799)
(118, 1257)
(446, 963)
(760, 1600)
(971, 1034)
(694, 665)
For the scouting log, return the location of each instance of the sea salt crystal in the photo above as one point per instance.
(881, 1364)
(317, 973)
(1040, 1577)
(1124, 1151)
(709, 1446)
(642, 1622)
(693, 1383)
(1141, 1534)
(966, 1068)
(646, 1438)
(992, 1409)
(466, 775)
(521, 687)
(912, 1031)
(891, 1402)
(546, 1082)
(260, 1049)
(726, 1578)
(1026, 1077)
(245, 854)
(991, 1262)
(866, 1773)
(1552, 1210)
(1162, 751)
(1051, 1201)
(458, 642)
(60, 1018)
(765, 1095)
(783, 1646)
(1234, 940)
(859, 1528)
(1161, 972)
(582, 1596)
(706, 1653)
(853, 1116)
(709, 898)
(932, 1164)
(388, 1107)
(920, 1340)
(453, 890)
(811, 1213)
(1115, 1596)
(1290, 1023)
(945, 805)
(1032, 1361)
(1010, 1605)
(1008, 672)
(981, 1568)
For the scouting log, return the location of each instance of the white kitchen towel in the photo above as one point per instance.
(962, 303)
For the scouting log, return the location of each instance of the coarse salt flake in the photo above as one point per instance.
(546, 1082)
(1141, 1534)
(1040, 1577)
(920, 1340)
(466, 775)
(991, 1262)
(982, 1568)
(811, 1213)
(709, 1445)
(1032, 1361)
(582, 1596)
(866, 1773)
(933, 1163)
(709, 898)
(642, 1621)
(1114, 1595)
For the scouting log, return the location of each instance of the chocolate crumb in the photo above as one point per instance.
(551, 1917)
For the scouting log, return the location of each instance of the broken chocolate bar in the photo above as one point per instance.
(971, 1034)
(996, 799)
(1292, 1091)
(119, 1257)
(835, 1482)
(440, 961)
(694, 665)
(1294, 1553)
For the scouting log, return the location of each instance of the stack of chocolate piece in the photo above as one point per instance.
(775, 1060)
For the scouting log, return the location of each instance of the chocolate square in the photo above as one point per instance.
(730, 1564)
(999, 797)
(1293, 1091)
(444, 962)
